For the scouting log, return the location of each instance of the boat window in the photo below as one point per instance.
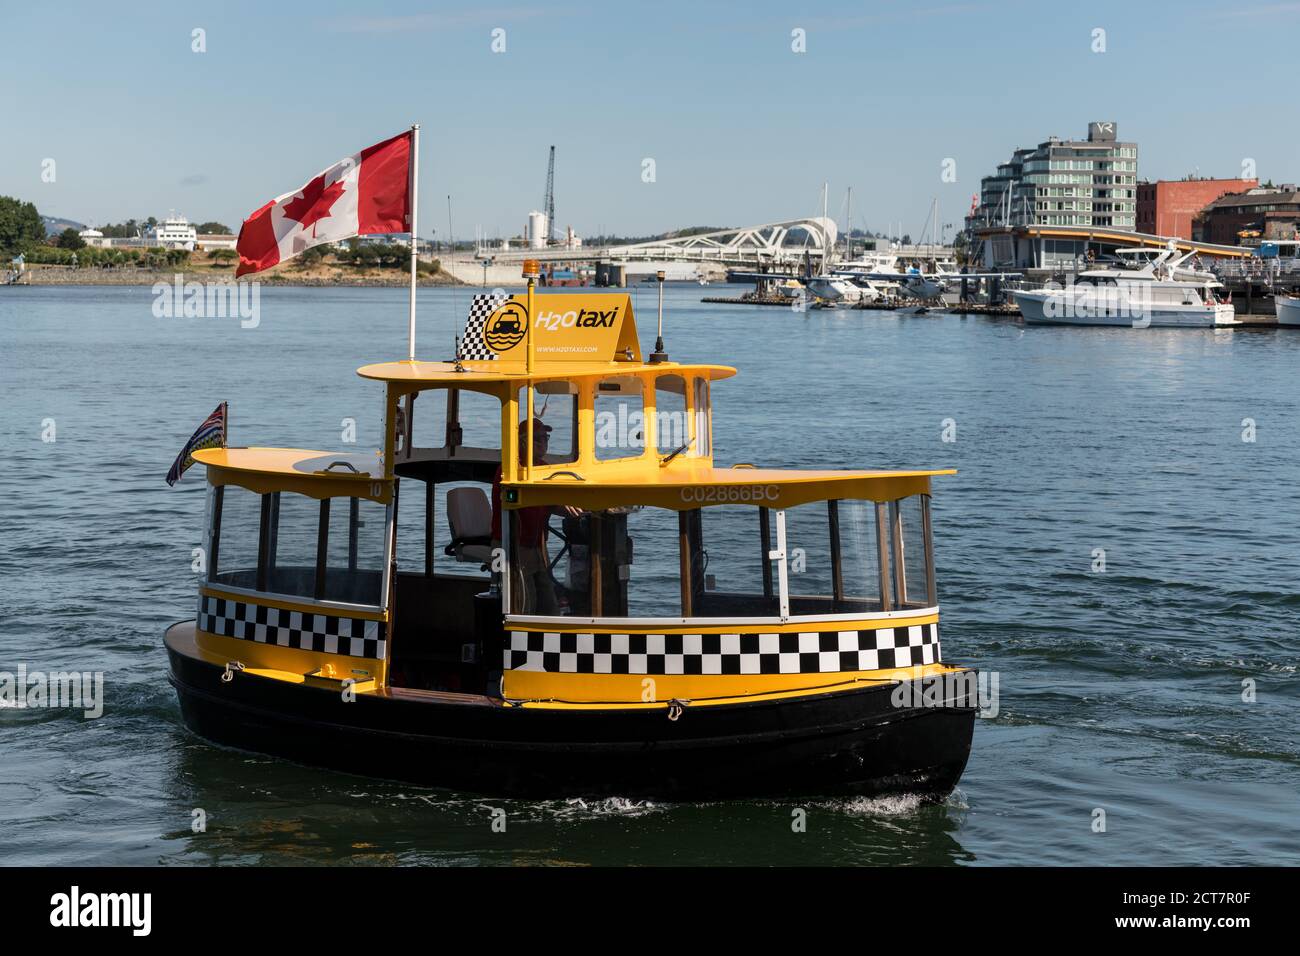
(237, 522)
(412, 512)
(909, 535)
(620, 418)
(842, 557)
(833, 557)
(291, 553)
(672, 426)
(556, 405)
(429, 418)
(701, 447)
(643, 562)
(354, 554)
(475, 418)
(273, 543)
(547, 561)
(653, 584)
(733, 575)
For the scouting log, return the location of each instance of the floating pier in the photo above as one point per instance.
(749, 299)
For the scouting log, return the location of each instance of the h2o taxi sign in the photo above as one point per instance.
(568, 328)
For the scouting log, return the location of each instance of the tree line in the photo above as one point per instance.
(23, 231)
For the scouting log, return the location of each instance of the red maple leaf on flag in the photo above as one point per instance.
(314, 203)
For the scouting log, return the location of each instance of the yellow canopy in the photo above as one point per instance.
(472, 374)
(689, 487)
(317, 474)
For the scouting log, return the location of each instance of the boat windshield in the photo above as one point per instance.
(844, 557)
(284, 543)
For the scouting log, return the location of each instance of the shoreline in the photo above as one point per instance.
(91, 277)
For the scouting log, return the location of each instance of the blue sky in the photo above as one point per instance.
(742, 130)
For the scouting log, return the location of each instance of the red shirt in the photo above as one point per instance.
(532, 521)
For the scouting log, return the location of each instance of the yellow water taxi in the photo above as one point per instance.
(612, 612)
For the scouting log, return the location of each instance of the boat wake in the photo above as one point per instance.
(578, 808)
(894, 805)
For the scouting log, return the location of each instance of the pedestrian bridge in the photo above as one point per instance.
(773, 243)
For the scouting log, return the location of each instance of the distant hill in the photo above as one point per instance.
(54, 225)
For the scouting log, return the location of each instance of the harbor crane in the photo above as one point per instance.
(548, 204)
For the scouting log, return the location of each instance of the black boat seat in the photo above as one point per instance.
(469, 515)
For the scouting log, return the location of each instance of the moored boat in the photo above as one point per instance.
(1288, 310)
(611, 612)
(1159, 293)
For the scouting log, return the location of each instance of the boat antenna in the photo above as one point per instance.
(659, 355)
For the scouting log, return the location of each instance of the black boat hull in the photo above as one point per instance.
(849, 742)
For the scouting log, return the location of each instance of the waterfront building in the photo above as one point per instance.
(1083, 184)
(1247, 217)
(208, 242)
(1168, 207)
(1090, 182)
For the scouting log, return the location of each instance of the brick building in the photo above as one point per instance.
(1167, 207)
(1273, 213)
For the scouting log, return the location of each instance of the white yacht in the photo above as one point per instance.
(1288, 310)
(1164, 292)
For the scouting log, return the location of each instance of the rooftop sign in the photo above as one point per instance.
(1102, 132)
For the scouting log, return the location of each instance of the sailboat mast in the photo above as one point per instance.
(848, 233)
(826, 253)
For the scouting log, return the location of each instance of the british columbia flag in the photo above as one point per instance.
(211, 434)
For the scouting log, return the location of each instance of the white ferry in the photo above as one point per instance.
(174, 232)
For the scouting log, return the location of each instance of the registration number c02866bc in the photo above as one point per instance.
(740, 494)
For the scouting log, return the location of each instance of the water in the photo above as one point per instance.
(1119, 690)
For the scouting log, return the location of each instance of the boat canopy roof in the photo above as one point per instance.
(686, 487)
(317, 474)
(480, 373)
(681, 487)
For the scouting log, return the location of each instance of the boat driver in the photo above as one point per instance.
(529, 563)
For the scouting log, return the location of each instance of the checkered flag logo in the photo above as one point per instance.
(472, 346)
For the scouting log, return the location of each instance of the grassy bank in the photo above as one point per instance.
(215, 267)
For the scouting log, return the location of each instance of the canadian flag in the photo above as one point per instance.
(364, 194)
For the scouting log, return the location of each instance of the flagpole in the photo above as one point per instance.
(415, 196)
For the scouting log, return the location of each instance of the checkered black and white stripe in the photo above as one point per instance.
(816, 652)
(481, 307)
(325, 633)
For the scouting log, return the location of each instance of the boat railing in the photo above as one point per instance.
(1265, 269)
